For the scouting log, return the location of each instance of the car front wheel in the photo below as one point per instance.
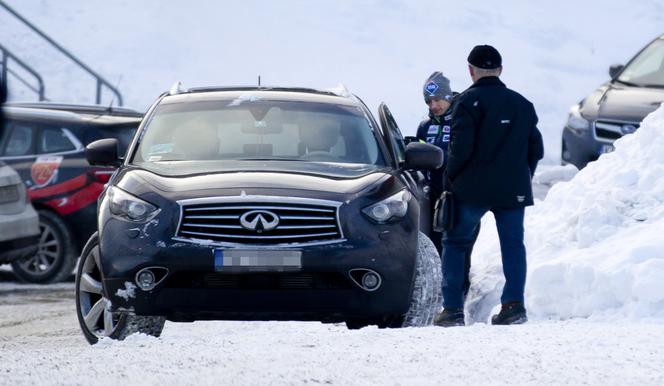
(93, 307)
(427, 295)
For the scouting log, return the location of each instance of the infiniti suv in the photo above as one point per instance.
(260, 204)
(616, 108)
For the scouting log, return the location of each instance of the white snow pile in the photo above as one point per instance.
(595, 244)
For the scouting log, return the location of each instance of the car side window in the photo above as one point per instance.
(54, 140)
(20, 140)
(398, 143)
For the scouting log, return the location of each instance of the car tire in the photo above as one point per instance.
(92, 306)
(427, 294)
(55, 257)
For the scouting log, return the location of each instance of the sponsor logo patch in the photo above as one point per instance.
(45, 170)
(431, 88)
(446, 129)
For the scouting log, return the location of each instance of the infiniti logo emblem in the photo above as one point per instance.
(259, 220)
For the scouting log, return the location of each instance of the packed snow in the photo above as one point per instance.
(595, 245)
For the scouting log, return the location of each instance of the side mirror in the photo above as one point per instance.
(103, 152)
(615, 69)
(423, 156)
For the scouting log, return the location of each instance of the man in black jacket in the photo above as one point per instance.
(494, 150)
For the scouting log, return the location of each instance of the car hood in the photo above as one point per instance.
(622, 103)
(255, 178)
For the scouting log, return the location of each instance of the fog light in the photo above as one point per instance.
(145, 280)
(370, 280)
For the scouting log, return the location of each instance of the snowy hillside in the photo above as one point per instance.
(595, 243)
(555, 53)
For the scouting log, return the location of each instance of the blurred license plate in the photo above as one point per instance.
(8, 194)
(606, 149)
(258, 260)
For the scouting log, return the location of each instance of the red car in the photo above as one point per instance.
(45, 144)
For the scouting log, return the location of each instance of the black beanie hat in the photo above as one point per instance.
(485, 57)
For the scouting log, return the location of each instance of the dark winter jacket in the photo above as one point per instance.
(495, 146)
(436, 130)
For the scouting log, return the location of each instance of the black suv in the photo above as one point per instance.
(45, 143)
(616, 108)
(260, 204)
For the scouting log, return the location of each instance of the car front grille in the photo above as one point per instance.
(259, 220)
(609, 131)
(260, 280)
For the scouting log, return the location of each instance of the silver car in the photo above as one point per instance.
(19, 223)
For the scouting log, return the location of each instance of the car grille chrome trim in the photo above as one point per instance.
(610, 130)
(216, 221)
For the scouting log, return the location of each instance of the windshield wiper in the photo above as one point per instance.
(627, 83)
(267, 159)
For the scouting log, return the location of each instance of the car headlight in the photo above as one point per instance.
(391, 207)
(128, 207)
(576, 121)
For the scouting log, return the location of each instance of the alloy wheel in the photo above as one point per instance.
(48, 252)
(94, 306)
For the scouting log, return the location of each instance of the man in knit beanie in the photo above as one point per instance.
(436, 129)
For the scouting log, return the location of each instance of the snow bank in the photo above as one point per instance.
(595, 245)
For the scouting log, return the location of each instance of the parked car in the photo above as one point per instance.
(259, 204)
(19, 225)
(617, 107)
(45, 144)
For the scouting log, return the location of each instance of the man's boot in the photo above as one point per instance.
(449, 318)
(510, 313)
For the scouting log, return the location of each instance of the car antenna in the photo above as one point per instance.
(259, 80)
(117, 85)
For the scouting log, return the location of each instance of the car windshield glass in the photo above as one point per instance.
(254, 129)
(647, 69)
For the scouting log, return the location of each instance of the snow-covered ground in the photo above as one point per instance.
(595, 291)
(40, 343)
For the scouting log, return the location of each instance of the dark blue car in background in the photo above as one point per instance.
(616, 108)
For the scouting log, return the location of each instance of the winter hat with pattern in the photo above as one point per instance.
(437, 86)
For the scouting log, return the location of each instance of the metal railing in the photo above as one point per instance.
(5, 71)
(101, 82)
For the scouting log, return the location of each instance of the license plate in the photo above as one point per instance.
(8, 194)
(257, 260)
(606, 149)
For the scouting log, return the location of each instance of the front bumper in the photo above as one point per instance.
(18, 248)
(198, 288)
(580, 148)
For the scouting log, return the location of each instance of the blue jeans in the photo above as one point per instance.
(458, 241)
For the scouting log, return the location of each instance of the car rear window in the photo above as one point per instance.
(251, 129)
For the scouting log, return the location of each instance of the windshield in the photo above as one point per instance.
(253, 129)
(647, 69)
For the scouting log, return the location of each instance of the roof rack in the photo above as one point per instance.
(80, 109)
(255, 88)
